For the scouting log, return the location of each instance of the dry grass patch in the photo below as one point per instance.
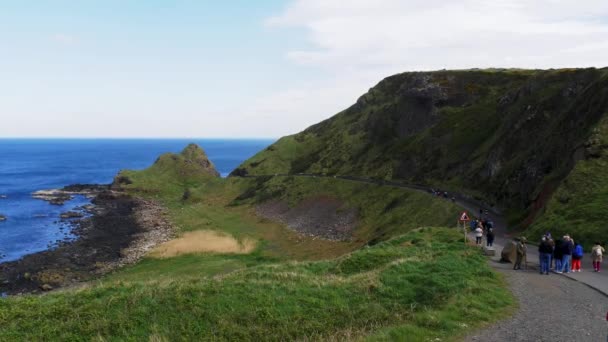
(203, 241)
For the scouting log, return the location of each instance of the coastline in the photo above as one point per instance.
(120, 232)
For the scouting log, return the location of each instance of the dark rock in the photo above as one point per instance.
(71, 214)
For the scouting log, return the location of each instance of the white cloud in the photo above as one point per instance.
(64, 39)
(359, 42)
(414, 35)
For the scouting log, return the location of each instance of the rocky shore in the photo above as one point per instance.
(120, 231)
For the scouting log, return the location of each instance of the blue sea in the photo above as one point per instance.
(28, 165)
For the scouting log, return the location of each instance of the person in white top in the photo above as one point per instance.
(478, 235)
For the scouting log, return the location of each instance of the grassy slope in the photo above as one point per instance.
(579, 204)
(421, 285)
(505, 136)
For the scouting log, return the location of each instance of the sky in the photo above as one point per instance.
(256, 69)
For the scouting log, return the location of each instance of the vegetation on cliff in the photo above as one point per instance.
(507, 136)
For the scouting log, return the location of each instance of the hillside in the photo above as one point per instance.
(234, 273)
(509, 137)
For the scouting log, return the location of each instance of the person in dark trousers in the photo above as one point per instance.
(552, 243)
(567, 249)
(544, 252)
(490, 237)
(521, 252)
(558, 254)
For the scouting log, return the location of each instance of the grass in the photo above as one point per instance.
(499, 134)
(422, 285)
(394, 281)
(578, 206)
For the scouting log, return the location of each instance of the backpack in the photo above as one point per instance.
(578, 251)
(597, 251)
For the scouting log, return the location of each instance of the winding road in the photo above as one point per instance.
(558, 307)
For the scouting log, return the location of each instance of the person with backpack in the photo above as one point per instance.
(544, 251)
(473, 224)
(577, 256)
(490, 237)
(597, 251)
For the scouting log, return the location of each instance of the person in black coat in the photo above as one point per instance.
(490, 237)
(558, 254)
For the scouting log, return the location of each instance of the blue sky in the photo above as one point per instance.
(255, 68)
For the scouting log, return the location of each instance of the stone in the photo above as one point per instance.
(509, 252)
(71, 214)
(46, 287)
(489, 251)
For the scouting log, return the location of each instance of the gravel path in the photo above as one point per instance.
(551, 308)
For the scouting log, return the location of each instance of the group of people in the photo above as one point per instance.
(564, 255)
(481, 227)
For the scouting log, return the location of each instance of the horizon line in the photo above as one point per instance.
(138, 138)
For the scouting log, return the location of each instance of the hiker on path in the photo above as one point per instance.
(478, 235)
(567, 249)
(577, 256)
(490, 237)
(473, 224)
(552, 243)
(597, 251)
(521, 251)
(544, 252)
(558, 255)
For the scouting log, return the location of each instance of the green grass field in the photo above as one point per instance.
(421, 285)
(413, 283)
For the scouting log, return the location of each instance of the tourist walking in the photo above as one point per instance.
(597, 251)
(478, 235)
(567, 249)
(544, 251)
(490, 237)
(552, 243)
(520, 254)
(558, 255)
(577, 256)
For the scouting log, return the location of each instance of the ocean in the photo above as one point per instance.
(28, 165)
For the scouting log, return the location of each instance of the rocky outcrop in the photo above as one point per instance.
(324, 217)
(71, 214)
(195, 155)
(60, 196)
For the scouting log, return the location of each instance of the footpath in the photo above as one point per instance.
(597, 281)
(550, 307)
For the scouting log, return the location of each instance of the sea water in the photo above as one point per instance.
(28, 165)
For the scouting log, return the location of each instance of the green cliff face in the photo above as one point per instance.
(507, 136)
